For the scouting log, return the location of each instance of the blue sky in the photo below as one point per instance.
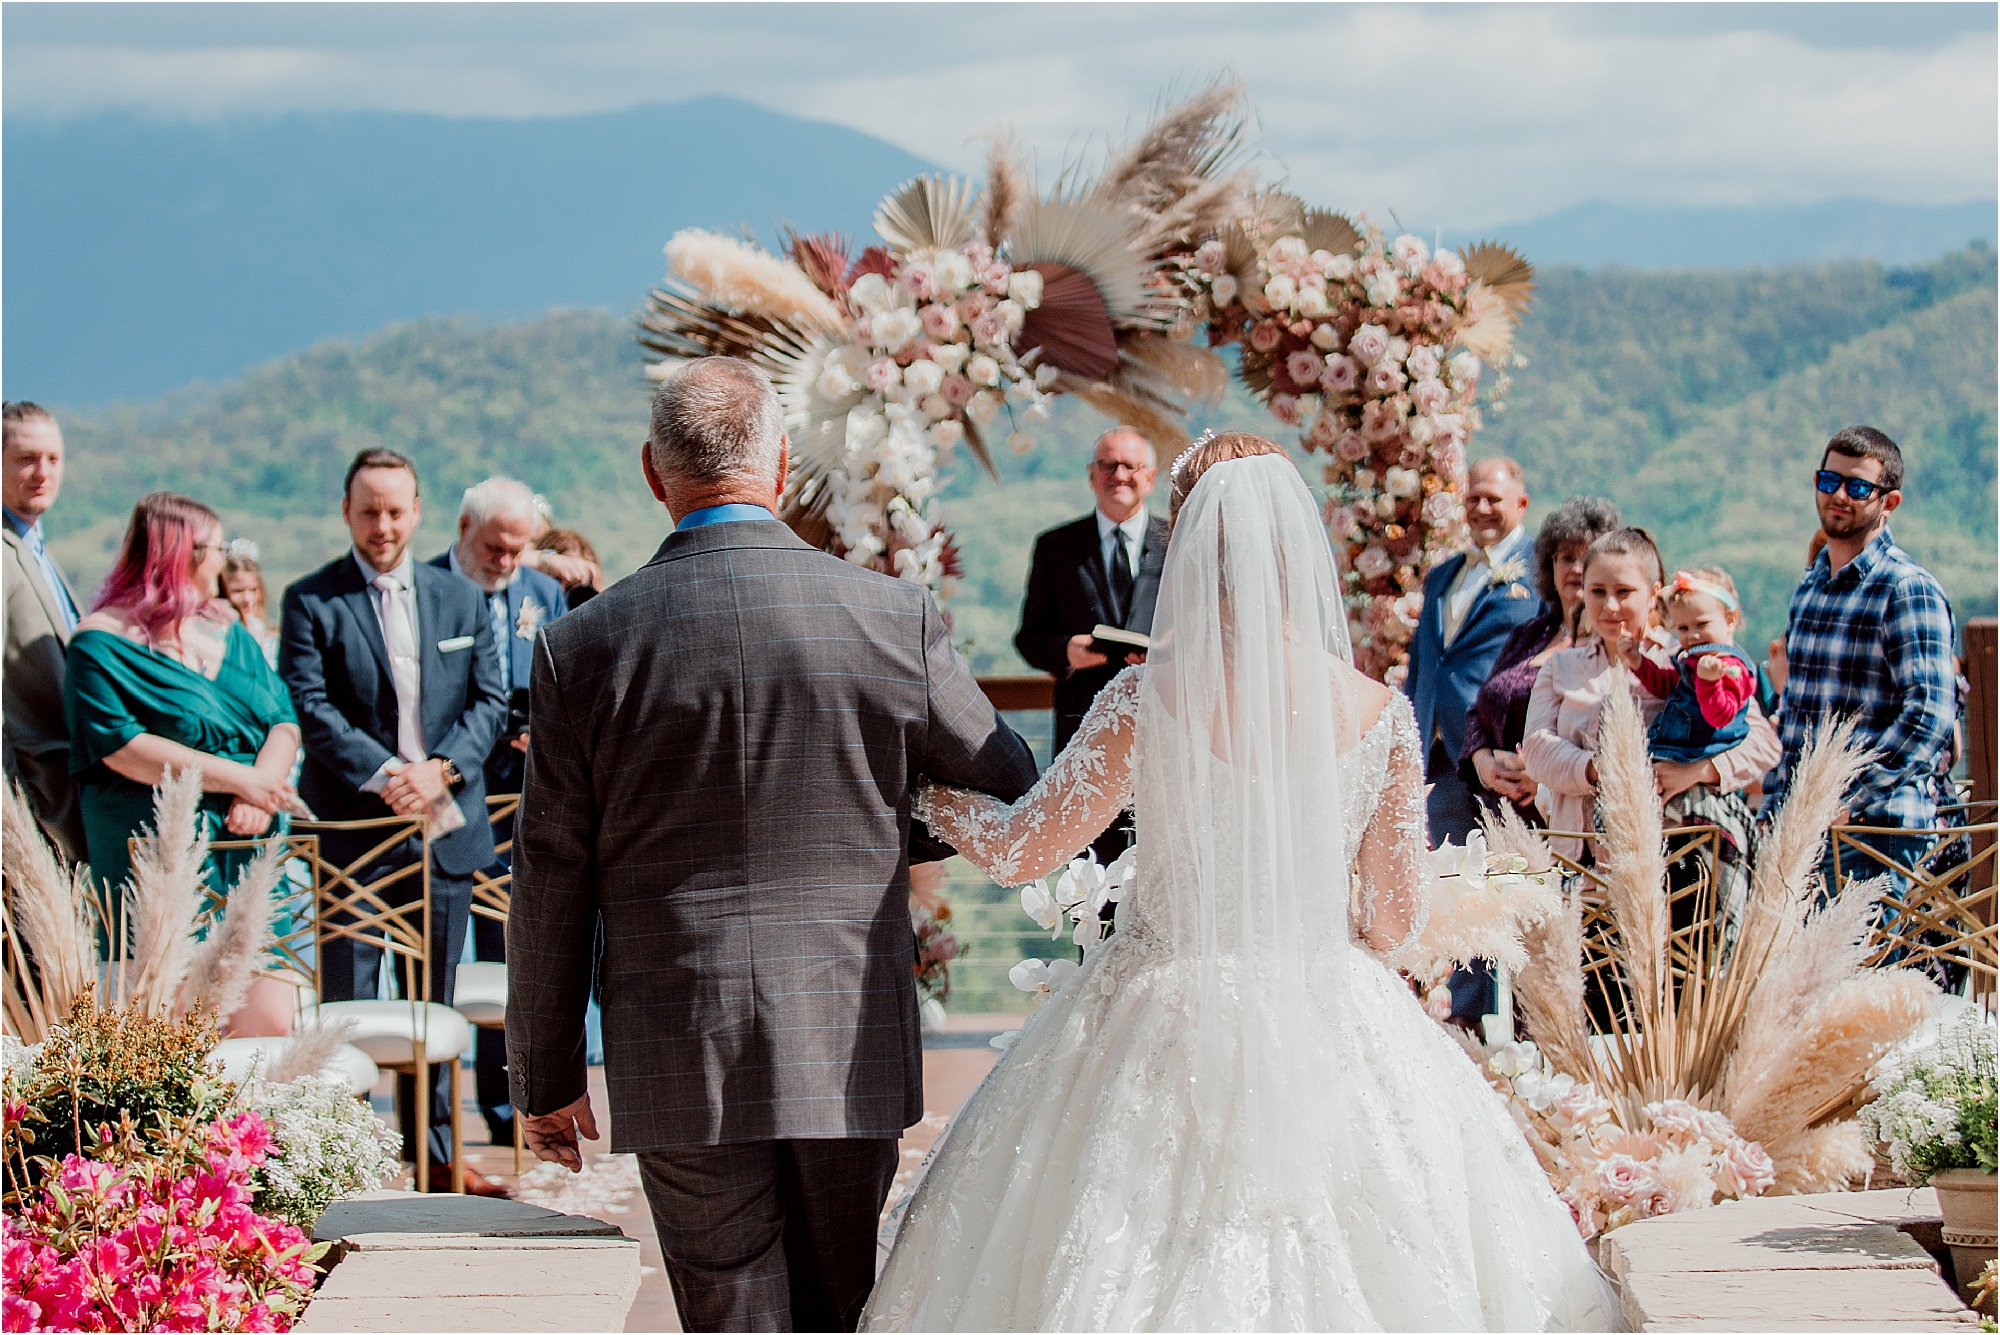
(1478, 113)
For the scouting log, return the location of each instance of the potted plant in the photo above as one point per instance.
(1934, 1109)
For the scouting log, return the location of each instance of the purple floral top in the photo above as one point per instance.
(1498, 719)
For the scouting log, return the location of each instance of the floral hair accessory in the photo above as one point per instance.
(240, 549)
(1180, 461)
(1683, 582)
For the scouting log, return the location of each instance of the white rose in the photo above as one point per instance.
(1382, 288)
(871, 293)
(1025, 287)
(1340, 268)
(1211, 256)
(983, 407)
(1465, 369)
(1013, 313)
(1280, 291)
(922, 377)
(935, 406)
(953, 270)
(982, 370)
(1399, 348)
(1423, 362)
(1364, 478)
(1324, 336)
(1449, 262)
(950, 357)
(1404, 482)
(1312, 299)
(946, 433)
(1385, 506)
(836, 381)
(1225, 289)
(896, 329)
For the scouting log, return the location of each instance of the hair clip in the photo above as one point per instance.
(1180, 461)
(240, 549)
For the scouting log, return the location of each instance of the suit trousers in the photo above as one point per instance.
(350, 971)
(770, 1234)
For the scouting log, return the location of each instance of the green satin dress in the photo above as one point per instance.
(115, 689)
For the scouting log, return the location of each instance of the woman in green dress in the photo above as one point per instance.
(162, 675)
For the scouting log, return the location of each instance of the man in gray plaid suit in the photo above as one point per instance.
(725, 747)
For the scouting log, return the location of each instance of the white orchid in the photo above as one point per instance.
(1514, 1060)
(1043, 978)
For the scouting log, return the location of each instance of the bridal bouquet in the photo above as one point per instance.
(1374, 348)
(1072, 899)
(1682, 1157)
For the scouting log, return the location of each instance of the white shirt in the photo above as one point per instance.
(1475, 575)
(1135, 535)
(406, 574)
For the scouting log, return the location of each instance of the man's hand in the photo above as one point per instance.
(553, 1136)
(414, 789)
(1080, 656)
(519, 743)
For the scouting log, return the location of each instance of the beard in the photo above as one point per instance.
(1858, 524)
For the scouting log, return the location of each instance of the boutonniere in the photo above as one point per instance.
(530, 618)
(1511, 572)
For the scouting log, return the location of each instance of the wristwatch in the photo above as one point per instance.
(453, 779)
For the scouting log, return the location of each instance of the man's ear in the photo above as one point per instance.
(1890, 500)
(659, 489)
(784, 471)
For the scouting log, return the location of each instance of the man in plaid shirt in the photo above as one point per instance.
(1869, 636)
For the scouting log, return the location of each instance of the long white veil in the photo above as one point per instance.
(1239, 807)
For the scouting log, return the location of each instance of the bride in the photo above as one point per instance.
(1235, 1117)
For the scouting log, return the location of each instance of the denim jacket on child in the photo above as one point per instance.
(1680, 733)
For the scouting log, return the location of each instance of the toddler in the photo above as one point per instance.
(1709, 685)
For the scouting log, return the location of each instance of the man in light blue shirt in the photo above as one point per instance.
(41, 612)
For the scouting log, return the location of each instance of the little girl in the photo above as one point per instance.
(1709, 685)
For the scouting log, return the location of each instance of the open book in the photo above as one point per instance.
(1114, 642)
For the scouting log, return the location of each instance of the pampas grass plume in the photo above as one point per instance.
(1825, 1158)
(222, 966)
(308, 1051)
(750, 280)
(1632, 851)
(45, 909)
(167, 891)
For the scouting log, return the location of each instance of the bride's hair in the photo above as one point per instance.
(1205, 454)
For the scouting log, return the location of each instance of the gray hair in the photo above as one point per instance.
(1578, 521)
(497, 498)
(1501, 464)
(716, 419)
(1152, 455)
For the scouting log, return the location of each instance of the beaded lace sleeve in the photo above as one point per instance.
(1076, 800)
(1389, 865)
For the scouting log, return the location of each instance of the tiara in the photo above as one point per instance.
(240, 549)
(1180, 461)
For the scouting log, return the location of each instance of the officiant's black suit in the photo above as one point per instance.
(725, 747)
(1069, 593)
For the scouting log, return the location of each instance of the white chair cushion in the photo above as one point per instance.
(348, 1063)
(482, 993)
(388, 1030)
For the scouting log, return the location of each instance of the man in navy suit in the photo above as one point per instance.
(393, 671)
(1101, 569)
(496, 528)
(1472, 602)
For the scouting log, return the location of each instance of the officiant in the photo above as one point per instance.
(1102, 569)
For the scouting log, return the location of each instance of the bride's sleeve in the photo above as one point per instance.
(1390, 861)
(1076, 800)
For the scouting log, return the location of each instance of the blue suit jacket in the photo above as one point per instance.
(332, 658)
(1443, 681)
(505, 765)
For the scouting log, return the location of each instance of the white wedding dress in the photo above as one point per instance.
(1235, 1117)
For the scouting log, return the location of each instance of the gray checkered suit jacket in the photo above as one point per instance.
(723, 750)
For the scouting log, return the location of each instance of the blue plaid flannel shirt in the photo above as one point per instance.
(1872, 642)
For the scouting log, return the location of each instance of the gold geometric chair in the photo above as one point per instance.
(1943, 911)
(482, 984)
(413, 1033)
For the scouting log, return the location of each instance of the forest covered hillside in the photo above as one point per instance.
(1698, 400)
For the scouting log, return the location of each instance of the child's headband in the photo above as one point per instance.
(1683, 582)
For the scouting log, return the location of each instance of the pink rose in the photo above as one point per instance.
(1412, 456)
(1746, 1169)
(1440, 508)
(1285, 408)
(957, 390)
(1582, 1212)
(1373, 563)
(1326, 431)
(1288, 254)
(990, 328)
(1378, 423)
(1210, 256)
(974, 306)
(1450, 430)
(882, 375)
(939, 321)
(1422, 362)
(1304, 367)
(1625, 1179)
(1266, 335)
(1677, 1118)
(1429, 395)
(1369, 344)
(921, 279)
(1340, 521)
(1449, 457)
(1352, 447)
(1341, 375)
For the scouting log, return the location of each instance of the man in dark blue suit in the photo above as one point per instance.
(1472, 602)
(393, 671)
(496, 526)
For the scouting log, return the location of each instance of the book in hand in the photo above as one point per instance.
(1115, 642)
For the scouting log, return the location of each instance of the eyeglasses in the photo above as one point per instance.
(1104, 469)
(1858, 488)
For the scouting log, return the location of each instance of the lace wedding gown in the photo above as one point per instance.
(1234, 1116)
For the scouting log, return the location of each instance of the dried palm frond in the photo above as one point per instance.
(308, 1051)
(976, 443)
(223, 964)
(1196, 375)
(823, 258)
(1006, 189)
(817, 424)
(747, 280)
(1486, 327)
(167, 891)
(680, 324)
(1504, 271)
(1159, 423)
(1331, 232)
(930, 213)
(1070, 330)
(1103, 243)
(46, 916)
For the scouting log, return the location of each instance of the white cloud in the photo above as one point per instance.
(1470, 115)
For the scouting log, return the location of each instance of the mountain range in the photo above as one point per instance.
(1698, 400)
(142, 254)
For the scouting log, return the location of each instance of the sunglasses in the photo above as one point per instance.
(1858, 488)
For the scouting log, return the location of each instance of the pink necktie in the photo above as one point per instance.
(399, 635)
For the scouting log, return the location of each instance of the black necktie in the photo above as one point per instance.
(1121, 576)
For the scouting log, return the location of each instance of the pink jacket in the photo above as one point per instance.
(1561, 736)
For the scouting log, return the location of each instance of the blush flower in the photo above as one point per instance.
(1304, 367)
(1369, 344)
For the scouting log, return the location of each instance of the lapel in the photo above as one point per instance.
(363, 613)
(1092, 564)
(1146, 588)
(32, 572)
(430, 614)
(1489, 597)
(1445, 575)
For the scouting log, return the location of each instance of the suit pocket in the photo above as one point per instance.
(456, 643)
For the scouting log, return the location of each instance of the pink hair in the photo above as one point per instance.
(153, 578)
